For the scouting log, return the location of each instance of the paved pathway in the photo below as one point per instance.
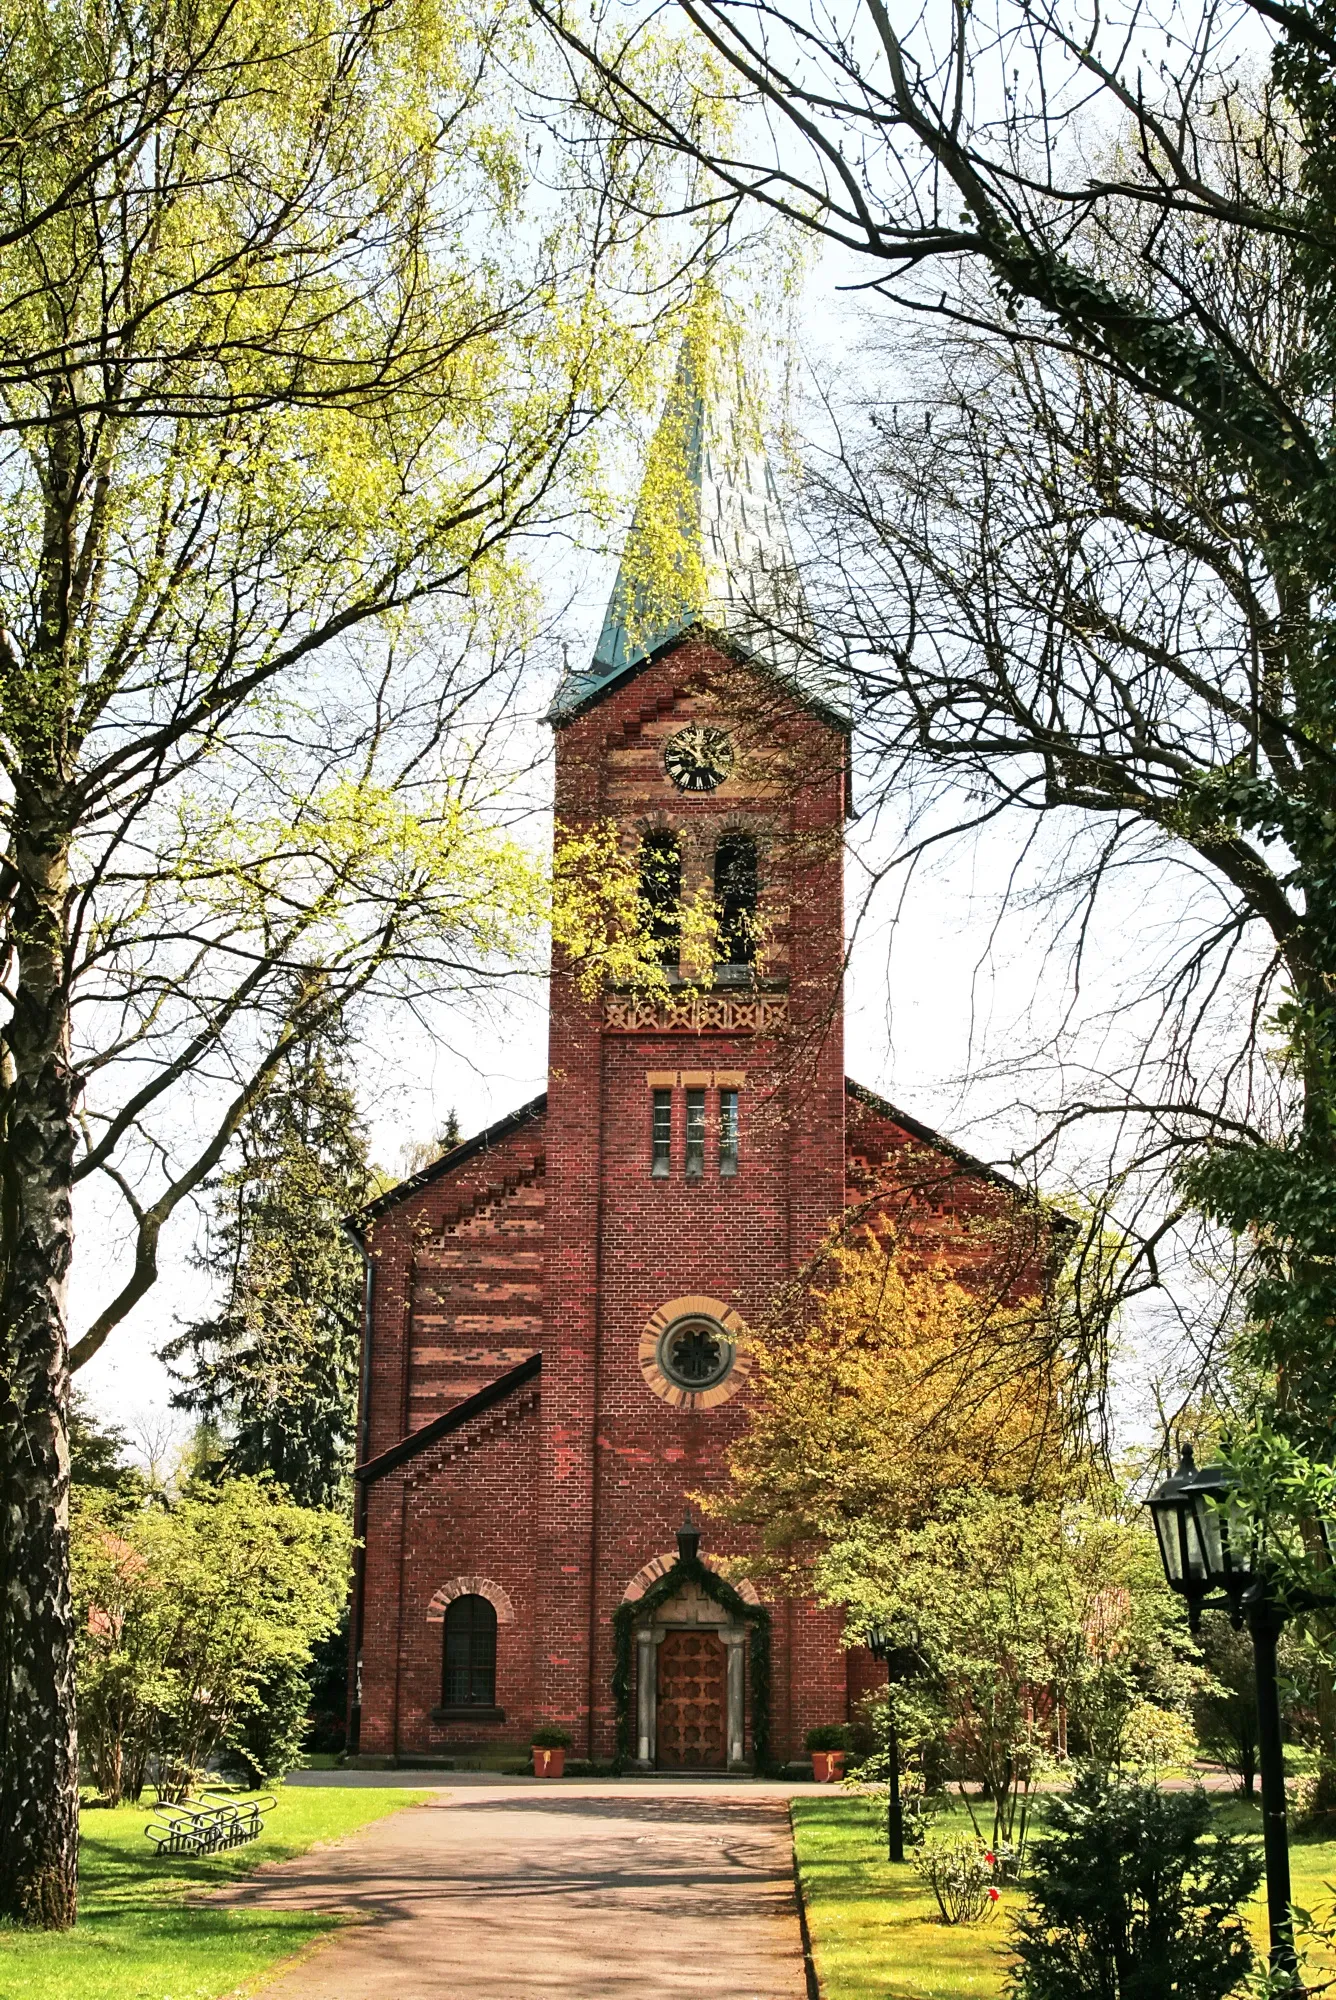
(569, 1892)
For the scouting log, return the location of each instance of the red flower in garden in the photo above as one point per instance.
(993, 1894)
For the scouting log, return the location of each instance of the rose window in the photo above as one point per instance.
(695, 1353)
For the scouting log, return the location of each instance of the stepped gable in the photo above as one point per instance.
(941, 1198)
(477, 1300)
(889, 1148)
(459, 1246)
(486, 1414)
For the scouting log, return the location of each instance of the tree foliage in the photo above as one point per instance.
(884, 1384)
(276, 1367)
(307, 316)
(98, 1458)
(1024, 1612)
(192, 1619)
(1062, 601)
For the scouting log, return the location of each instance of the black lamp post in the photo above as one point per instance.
(1211, 1548)
(902, 1664)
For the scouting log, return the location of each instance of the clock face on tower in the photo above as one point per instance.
(698, 758)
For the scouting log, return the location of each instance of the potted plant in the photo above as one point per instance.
(828, 1745)
(549, 1751)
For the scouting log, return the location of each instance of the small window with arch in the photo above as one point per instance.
(661, 1135)
(728, 1134)
(469, 1678)
(695, 1147)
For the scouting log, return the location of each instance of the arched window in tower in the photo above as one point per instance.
(735, 890)
(469, 1679)
(661, 894)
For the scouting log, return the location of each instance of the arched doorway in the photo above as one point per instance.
(690, 1654)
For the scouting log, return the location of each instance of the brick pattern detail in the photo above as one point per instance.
(553, 1237)
(660, 1565)
(697, 1014)
(477, 1297)
(471, 1586)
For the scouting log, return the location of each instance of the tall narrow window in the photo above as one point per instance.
(470, 1654)
(695, 1134)
(661, 895)
(735, 887)
(662, 1156)
(728, 1133)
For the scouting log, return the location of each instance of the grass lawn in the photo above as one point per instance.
(876, 1934)
(137, 1939)
(875, 1929)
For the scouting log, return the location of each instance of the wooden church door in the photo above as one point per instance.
(691, 1702)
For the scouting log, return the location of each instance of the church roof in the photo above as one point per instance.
(972, 1165)
(708, 550)
(451, 1420)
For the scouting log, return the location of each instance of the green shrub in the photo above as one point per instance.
(829, 1736)
(548, 1737)
(268, 1740)
(960, 1872)
(1134, 1896)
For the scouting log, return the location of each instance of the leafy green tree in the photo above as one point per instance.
(1226, 1710)
(420, 1153)
(1134, 1895)
(302, 329)
(276, 1368)
(197, 1626)
(327, 1691)
(885, 1384)
(1021, 1611)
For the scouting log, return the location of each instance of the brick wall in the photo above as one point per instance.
(457, 1509)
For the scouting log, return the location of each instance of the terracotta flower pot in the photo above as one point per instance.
(828, 1766)
(548, 1763)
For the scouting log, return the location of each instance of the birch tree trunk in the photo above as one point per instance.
(39, 1765)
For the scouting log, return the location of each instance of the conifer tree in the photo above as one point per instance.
(275, 1367)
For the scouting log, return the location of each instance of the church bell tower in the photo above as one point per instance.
(695, 1136)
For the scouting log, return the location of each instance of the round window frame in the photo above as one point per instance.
(693, 1323)
(667, 1321)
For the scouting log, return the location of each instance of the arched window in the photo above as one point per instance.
(661, 894)
(735, 887)
(470, 1654)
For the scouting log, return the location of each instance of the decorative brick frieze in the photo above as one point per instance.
(704, 1013)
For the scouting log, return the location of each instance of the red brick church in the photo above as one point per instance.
(554, 1346)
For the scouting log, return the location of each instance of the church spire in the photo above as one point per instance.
(708, 546)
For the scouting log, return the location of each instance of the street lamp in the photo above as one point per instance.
(902, 1664)
(1212, 1551)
